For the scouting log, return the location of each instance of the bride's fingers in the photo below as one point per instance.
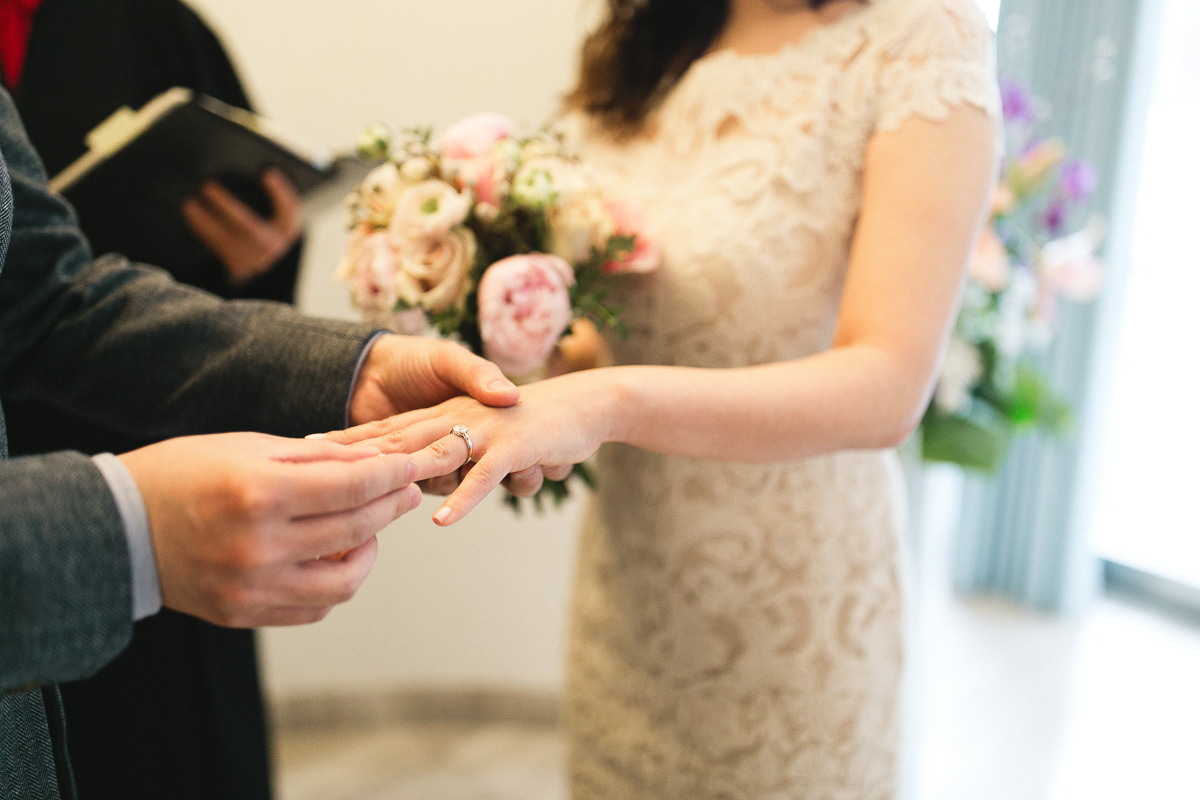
(524, 483)
(558, 473)
(441, 457)
(476, 485)
(380, 429)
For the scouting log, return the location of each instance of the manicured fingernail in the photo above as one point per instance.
(316, 436)
(501, 385)
(442, 515)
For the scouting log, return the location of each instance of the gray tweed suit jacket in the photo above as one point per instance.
(123, 345)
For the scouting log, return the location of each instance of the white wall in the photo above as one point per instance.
(484, 603)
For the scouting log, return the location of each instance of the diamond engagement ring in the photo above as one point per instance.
(461, 432)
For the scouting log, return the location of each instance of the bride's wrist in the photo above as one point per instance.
(617, 395)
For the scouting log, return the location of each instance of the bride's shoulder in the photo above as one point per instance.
(930, 28)
(933, 55)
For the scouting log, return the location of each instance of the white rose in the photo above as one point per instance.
(428, 208)
(375, 198)
(533, 188)
(416, 169)
(579, 224)
(374, 141)
(550, 179)
(432, 270)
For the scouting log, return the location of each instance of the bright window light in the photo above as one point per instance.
(992, 9)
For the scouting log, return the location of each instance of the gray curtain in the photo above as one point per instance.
(1023, 533)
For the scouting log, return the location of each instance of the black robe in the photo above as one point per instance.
(179, 714)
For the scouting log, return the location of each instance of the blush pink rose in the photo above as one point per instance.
(369, 269)
(524, 308)
(473, 158)
(629, 221)
(475, 136)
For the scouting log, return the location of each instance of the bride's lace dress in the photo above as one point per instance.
(737, 629)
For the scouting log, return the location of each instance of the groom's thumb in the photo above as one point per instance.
(479, 378)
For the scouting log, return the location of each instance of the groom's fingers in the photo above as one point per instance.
(328, 487)
(475, 376)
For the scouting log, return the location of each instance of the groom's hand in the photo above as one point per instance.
(405, 373)
(253, 530)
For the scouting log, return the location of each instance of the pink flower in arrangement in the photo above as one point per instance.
(629, 221)
(524, 308)
(1071, 267)
(471, 157)
(1017, 102)
(369, 268)
(475, 136)
(989, 264)
(1077, 180)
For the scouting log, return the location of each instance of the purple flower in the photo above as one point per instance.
(1055, 216)
(1017, 102)
(1077, 180)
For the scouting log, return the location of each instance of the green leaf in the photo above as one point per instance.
(968, 443)
(1034, 405)
(557, 491)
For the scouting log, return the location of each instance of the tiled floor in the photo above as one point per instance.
(424, 762)
(1013, 706)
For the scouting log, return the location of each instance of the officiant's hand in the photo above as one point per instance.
(247, 244)
(406, 373)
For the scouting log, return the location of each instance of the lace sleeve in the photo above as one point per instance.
(939, 56)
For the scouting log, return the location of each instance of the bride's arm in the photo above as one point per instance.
(925, 188)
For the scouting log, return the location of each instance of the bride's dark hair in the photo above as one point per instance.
(640, 52)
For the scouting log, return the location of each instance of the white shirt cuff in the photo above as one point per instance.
(362, 359)
(147, 593)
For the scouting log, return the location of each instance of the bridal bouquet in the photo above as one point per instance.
(1024, 265)
(494, 240)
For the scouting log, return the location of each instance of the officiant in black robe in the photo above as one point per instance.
(179, 714)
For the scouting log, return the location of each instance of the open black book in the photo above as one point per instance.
(141, 165)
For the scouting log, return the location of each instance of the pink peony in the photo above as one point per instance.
(475, 136)
(524, 307)
(629, 221)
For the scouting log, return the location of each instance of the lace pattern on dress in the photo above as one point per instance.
(736, 631)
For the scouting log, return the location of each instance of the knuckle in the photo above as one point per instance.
(245, 554)
(441, 449)
(234, 600)
(253, 500)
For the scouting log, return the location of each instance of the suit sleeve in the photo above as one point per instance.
(126, 346)
(65, 579)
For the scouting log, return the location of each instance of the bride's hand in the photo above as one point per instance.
(559, 421)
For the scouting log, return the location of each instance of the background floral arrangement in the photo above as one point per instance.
(496, 241)
(990, 387)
